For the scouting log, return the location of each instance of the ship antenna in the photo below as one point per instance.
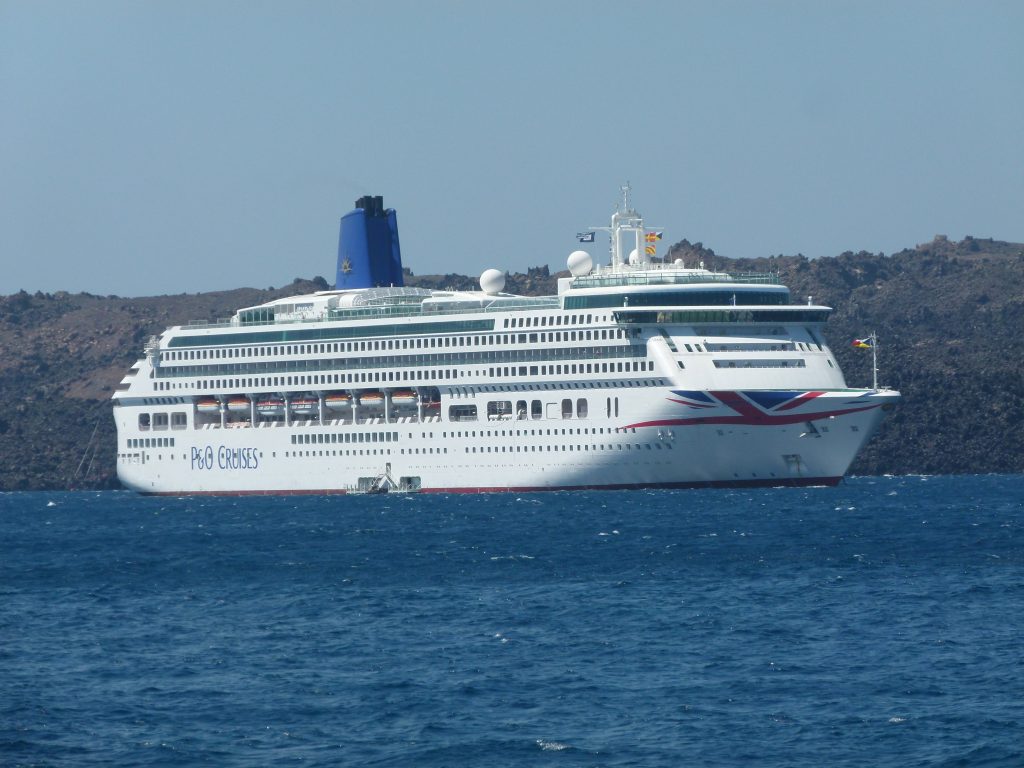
(874, 361)
(624, 220)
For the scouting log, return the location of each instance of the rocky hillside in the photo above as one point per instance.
(949, 315)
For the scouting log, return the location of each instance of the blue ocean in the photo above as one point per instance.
(876, 623)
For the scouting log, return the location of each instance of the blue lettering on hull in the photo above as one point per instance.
(223, 457)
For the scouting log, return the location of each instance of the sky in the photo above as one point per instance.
(152, 148)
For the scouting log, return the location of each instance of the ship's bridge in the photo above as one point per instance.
(624, 287)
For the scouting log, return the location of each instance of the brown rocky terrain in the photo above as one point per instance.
(949, 315)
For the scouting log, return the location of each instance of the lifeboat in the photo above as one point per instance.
(404, 397)
(270, 406)
(238, 405)
(208, 405)
(337, 401)
(371, 398)
(303, 405)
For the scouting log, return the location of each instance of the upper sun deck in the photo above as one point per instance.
(377, 303)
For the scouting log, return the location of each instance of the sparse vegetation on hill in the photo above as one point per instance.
(949, 315)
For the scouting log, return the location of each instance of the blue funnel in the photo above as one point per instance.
(368, 252)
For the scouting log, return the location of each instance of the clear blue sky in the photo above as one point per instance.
(150, 148)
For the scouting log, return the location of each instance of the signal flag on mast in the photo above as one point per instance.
(871, 342)
(652, 239)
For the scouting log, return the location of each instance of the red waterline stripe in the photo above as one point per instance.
(773, 482)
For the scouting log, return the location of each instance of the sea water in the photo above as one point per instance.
(876, 623)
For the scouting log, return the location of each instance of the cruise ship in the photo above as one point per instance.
(639, 373)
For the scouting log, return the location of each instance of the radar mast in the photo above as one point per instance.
(627, 225)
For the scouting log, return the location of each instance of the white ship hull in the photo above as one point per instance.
(656, 443)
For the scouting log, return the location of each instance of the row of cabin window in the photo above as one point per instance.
(391, 344)
(544, 432)
(344, 437)
(150, 442)
(551, 387)
(760, 364)
(551, 320)
(570, 448)
(348, 452)
(384, 437)
(574, 368)
(327, 378)
(364, 452)
(788, 346)
(409, 375)
(408, 362)
(567, 448)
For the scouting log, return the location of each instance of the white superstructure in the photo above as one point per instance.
(637, 374)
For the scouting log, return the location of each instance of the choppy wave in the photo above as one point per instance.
(875, 623)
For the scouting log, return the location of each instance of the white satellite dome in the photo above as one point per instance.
(634, 256)
(492, 281)
(579, 263)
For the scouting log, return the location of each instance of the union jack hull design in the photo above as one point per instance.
(762, 407)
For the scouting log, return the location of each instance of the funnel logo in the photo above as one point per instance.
(346, 266)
